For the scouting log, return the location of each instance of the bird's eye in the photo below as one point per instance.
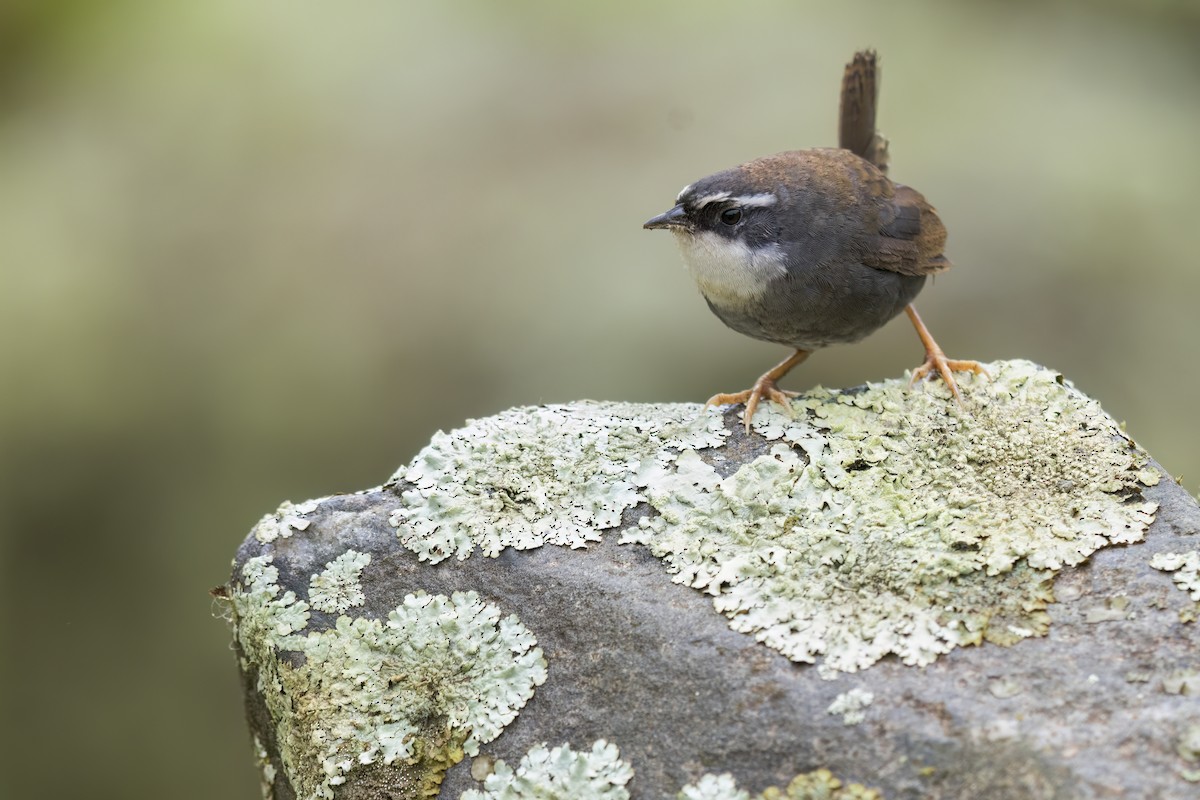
(731, 216)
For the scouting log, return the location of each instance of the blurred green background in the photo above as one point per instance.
(259, 251)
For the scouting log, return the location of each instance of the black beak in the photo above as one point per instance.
(675, 218)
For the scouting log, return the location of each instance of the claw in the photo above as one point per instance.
(763, 387)
(945, 368)
(766, 386)
(935, 360)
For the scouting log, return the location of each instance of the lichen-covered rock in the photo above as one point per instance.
(1186, 567)
(415, 692)
(878, 525)
(559, 774)
(495, 483)
(478, 605)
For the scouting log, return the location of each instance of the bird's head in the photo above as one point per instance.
(727, 226)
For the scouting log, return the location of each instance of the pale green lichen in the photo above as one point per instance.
(713, 787)
(1186, 569)
(1004, 688)
(337, 588)
(886, 521)
(851, 705)
(287, 518)
(1182, 681)
(559, 774)
(266, 770)
(817, 785)
(1188, 745)
(435, 680)
(1115, 609)
(534, 476)
(262, 617)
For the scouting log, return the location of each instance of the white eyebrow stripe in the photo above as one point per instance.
(760, 200)
(715, 197)
(682, 192)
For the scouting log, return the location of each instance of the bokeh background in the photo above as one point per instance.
(262, 251)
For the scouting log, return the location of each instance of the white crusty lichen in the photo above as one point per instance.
(263, 616)
(554, 474)
(1186, 567)
(437, 678)
(337, 588)
(886, 520)
(559, 774)
(713, 787)
(851, 705)
(266, 770)
(816, 785)
(287, 518)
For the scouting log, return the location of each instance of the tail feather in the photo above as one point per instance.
(856, 120)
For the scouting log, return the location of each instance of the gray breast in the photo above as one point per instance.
(821, 306)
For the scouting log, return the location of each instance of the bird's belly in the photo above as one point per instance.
(832, 307)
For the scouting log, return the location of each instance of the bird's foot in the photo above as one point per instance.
(937, 363)
(766, 386)
(763, 387)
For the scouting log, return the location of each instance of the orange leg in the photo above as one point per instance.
(935, 359)
(764, 387)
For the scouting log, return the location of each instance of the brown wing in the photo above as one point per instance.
(911, 237)
(856, 119)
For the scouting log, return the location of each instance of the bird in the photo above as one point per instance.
(811, 248)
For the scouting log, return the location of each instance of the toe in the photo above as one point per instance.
(948, 377)
(781, 397)
(936, 363)
(752, 405)
(968, 366)
(728, 399)
(920, 373)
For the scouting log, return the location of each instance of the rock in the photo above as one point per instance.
(610, 600)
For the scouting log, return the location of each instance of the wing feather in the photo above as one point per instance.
(911, 237)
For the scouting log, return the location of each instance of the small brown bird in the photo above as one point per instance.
(810, 248)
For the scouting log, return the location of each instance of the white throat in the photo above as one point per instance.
(728, 271)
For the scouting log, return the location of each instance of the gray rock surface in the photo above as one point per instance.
(1094, 693)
